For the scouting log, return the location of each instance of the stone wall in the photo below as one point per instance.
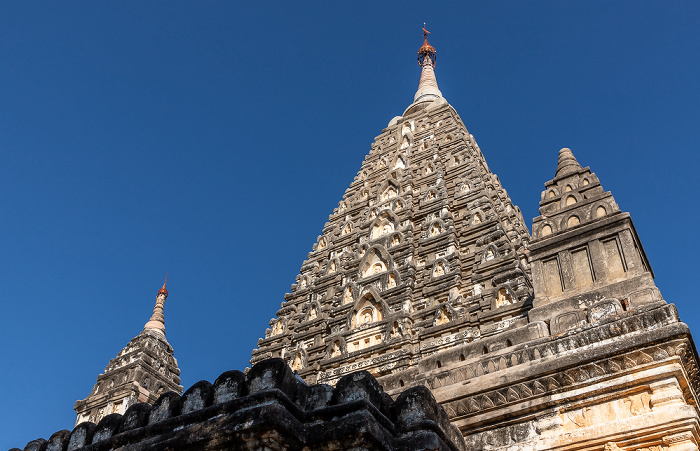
(270, 408)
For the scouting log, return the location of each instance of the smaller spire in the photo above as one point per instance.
(157, 321)
(567, 163)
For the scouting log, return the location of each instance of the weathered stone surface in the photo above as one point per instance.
(355, 415)
(141, 371)
(426, 278)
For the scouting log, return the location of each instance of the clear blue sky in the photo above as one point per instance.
(213, 139)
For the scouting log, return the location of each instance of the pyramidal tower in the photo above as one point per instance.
(425, 252)
(141, 372)
(425, 274)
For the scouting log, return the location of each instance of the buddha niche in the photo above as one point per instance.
(440, 269)
(392, 281)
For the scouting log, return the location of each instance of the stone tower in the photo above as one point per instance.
(426, 274)
(425, 252)
(141, 372)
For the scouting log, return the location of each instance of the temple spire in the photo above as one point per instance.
(157, 321)
(427, 86)
(567, 163)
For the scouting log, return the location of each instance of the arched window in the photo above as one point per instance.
(546, 230)
(573, 221)
(570, 200)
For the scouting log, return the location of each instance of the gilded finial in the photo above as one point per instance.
(163, 290)
(426, 50)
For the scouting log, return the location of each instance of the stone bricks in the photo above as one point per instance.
(355, 415)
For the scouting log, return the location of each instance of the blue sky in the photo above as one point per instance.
(213, 139)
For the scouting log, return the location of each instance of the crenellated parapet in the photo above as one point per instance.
(271, 408)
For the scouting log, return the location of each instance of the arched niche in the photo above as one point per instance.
(400, 163)
(432, 194)
(336, 347)
(303, 282)
(436, 228)
(464, 188)
(393, 280)
(384, 225)
(573, 221)
(444, 315)
(277, 328)
(569, 199)
(546, 230)
(333, 266)
(550, 194)
(600, 210)
(314, 311)
(505, 297)
(368, 309)
(346, 228)
(490, 253)
(375, 261)
(440, 268)
(406, 142)
(389, 190)
(297, 359)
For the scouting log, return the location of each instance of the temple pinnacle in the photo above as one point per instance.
(157, 321)
(427, 87)
(567, 163)
(163, 290)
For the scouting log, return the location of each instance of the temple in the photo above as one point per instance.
(427, 317)
(141, 372)
(426, 274)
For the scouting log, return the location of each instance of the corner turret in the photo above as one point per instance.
(585, 252)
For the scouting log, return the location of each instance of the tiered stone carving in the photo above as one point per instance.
(425, 244)
(426, 275)
(141, 372)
